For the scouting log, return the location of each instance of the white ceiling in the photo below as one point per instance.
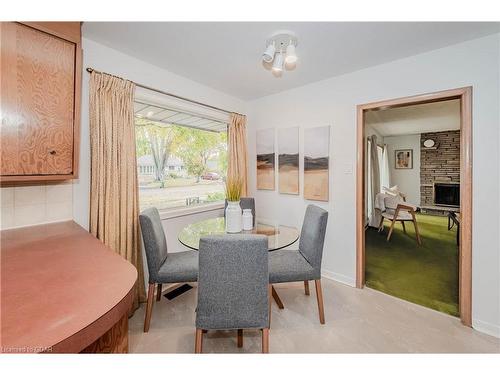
(227, 56)
(416, 119)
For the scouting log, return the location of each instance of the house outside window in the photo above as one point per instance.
(179, 164)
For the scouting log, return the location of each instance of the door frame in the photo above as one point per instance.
(465, 241)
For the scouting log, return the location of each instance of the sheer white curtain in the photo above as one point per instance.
(376, 177)
(385, 179)
(369, 197)
(373, 179)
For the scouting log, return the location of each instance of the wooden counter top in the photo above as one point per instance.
(61, 289)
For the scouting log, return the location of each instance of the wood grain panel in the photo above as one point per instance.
(45, 78)
(113, 341)
(465, 242)
(360, 201)
(40, 83)
(9, 140)
(70, 31)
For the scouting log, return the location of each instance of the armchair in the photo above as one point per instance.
(396, 209)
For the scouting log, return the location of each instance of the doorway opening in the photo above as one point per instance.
(414, 199)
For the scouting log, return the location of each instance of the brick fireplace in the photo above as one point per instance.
(439, 164)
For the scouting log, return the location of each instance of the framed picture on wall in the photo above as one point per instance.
(403, 159)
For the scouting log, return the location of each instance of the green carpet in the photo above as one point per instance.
(426, 274)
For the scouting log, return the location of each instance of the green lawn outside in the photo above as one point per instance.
(180, 192)
(176, 182)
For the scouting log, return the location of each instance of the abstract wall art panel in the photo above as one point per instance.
(316, 163)
(265, 159)
(288, 160)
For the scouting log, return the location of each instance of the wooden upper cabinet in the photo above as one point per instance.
(40, 100)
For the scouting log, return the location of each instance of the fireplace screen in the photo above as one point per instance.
(447, 194)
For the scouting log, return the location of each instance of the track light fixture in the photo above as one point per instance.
(278, 62)
(268, 54)
(280, 50)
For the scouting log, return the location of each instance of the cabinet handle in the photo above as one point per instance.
(52, 152)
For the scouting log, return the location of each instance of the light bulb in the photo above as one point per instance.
(278, 62)
(268, 55)
(291, 57)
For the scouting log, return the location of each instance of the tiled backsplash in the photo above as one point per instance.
(36, 204)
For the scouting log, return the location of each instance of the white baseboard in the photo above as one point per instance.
(484, 327)
(338, 277)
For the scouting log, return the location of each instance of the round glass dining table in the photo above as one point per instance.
(279, 236)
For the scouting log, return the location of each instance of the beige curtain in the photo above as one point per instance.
(374, 219)
(114, 194)
(237, 163)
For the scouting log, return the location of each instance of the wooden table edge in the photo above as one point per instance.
(107, 331)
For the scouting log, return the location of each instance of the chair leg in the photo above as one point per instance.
(240, 338)
(149, 306)
(419, 241)
(270, 293)
(319, 296)
(306, 287)
(403, 224)
(158, 292)
(381, 225)
(394, 219)
(391, 229)
(265, 340)
(277, 298)
(198, 343)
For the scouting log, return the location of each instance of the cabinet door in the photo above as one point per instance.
(37, 102)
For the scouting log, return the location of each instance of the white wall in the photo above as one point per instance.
(114, 62)
(333, 102)
(408, 180)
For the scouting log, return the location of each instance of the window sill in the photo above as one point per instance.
(186, 211)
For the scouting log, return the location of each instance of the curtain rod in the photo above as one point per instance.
(90, 70)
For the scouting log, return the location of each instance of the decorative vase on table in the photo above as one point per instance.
(233, 217)
(247, 219)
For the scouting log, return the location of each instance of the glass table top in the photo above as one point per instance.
(279, 236)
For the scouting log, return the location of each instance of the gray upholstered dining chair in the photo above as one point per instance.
(233, 286)
(303, 264)
(245, 203)
(163, 267)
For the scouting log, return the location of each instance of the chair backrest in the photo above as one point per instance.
(312, 236)
(155, 243)
(245, 203)
(233, 282)
(392, 201)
